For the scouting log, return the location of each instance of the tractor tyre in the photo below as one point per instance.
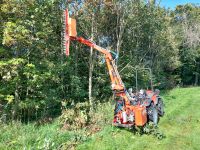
(152, 114)
(160, 107)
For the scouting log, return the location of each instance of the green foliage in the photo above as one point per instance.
(19, 136)
(187, 29)
(76, 117)
(14, 33)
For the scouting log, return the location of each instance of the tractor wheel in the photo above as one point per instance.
(152, 114)
(160, 107)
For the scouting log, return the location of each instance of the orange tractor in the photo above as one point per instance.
(132, 109)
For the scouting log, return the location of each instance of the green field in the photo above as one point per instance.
(180, 125)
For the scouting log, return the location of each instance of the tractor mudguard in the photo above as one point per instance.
(155, 99)
(148, 102)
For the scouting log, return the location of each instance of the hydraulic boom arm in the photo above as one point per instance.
(116, 81)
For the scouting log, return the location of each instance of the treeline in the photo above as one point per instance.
(37, 80)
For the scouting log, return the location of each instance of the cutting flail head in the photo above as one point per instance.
(69, 27)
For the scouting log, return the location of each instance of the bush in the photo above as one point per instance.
(76, 117)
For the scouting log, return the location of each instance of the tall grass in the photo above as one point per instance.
(19, 136)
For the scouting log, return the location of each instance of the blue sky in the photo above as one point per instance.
(172, 3)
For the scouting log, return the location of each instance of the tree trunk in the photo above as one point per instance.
(120, 28)
(91, 67)
(196, 78)
(15, 107)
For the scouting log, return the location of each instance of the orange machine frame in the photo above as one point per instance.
(116, 82)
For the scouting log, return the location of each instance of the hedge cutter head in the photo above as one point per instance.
(69, 26)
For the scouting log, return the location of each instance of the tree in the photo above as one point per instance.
(187, 29)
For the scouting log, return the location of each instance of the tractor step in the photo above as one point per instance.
(123, 125)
